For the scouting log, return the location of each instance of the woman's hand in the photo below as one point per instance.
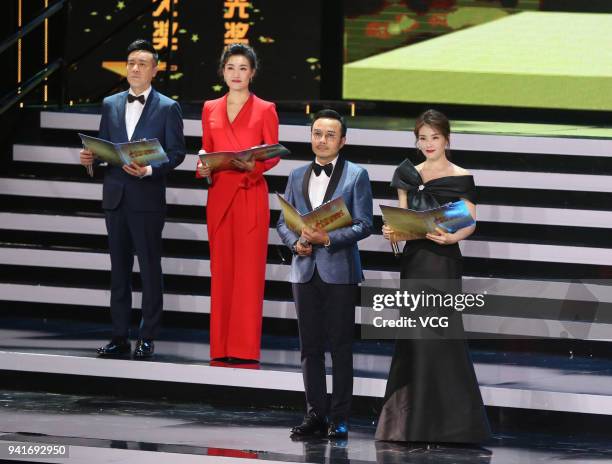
(390, 234)
(203, 169)
(441, 237)
(243, 165)
(387, 232)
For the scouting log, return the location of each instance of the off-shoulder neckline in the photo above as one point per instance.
(437, 178)
(443, 177)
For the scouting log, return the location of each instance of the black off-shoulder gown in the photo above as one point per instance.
(432, 394)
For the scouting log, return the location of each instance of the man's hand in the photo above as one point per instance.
(134, 169)
(303, 250)
(86, 157)
(243, 165)
(315, 236)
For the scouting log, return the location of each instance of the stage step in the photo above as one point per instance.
(525, 381)
(54, 247)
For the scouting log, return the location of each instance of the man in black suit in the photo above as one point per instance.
(134, 198)
(325, 272)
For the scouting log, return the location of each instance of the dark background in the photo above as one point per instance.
(286, 36)
(302, 46)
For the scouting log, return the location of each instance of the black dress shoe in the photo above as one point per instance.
(116, 347)
(144, 349)
(337, 430)
(313, 425)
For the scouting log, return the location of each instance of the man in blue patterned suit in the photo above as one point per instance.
(134, 198)
(325, 273)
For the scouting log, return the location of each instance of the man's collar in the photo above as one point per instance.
(145, 93)
(333, 162)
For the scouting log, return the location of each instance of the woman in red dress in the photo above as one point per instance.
(237, 212)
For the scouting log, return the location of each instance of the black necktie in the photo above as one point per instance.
(328, 168)
(132, 98)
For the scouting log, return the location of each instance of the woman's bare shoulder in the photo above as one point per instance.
(459, 171)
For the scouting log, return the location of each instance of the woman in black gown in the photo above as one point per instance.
(432, 394)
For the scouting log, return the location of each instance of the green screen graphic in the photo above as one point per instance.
(530, 59)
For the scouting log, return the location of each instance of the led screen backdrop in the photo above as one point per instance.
(532, 54)
(189, 36)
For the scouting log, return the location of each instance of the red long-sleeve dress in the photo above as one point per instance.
(238, 218)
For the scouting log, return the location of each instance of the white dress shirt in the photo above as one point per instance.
(133, 111)
(317, 185)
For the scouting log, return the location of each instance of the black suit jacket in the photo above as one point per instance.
(162, 119)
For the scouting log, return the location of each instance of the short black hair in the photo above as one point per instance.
(238, 49)
(329, 114)
(144, 45)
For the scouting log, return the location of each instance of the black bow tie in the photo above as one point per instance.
(132, 98)
(328, 168)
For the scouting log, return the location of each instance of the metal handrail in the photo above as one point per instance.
(13, 97)
(25, 30)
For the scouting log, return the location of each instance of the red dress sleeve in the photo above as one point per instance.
(207, 143)
(270, 133)
(270, 137)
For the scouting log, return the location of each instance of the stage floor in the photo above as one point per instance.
(102, 429)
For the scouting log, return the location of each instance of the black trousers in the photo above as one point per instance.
(326, 314)
(137, 232)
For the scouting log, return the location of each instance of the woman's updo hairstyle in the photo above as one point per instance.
(437, 121)
(238, 49)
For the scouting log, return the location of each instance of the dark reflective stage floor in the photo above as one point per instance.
(115, 429)
(105, 430)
